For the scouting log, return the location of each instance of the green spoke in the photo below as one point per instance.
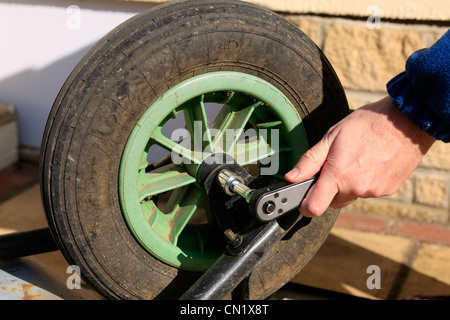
(232, 125)
(284, 149)
(268, 125)
(163, 204)
(172, 202)
(187, 154)
(143, 163)
(252, 150)
(197, 123)
(163, 179)
(179, 209)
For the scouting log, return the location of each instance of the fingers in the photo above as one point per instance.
(310, 163)
(322, 193)
(319, 197)
(326, 193)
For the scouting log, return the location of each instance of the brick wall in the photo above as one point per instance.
(365, 58)
(366, 53)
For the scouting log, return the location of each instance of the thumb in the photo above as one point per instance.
(310, 163)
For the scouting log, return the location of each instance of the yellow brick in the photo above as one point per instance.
(358, 99)
(438, 156)
(366, 59)
(431, 191)
(309, 26)
(398, 209)
(404, 193)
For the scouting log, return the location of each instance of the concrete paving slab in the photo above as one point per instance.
(343, 263)
(407, 267)
(23, 212)
(408, 264)
(429, 275)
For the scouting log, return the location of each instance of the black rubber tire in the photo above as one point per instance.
(109, 90)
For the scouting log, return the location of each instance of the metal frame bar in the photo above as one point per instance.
(26, 243)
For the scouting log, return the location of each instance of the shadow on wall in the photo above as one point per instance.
(33, 91)
(39, 89)
(125, 6)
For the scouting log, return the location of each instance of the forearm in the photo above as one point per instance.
(370, 153)
(422, 92)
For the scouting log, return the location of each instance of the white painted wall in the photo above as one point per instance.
(41, 41)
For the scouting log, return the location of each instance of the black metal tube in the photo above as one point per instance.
(26, 243)
(219, 281)
(228, 272)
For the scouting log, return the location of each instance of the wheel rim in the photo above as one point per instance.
(167, 232)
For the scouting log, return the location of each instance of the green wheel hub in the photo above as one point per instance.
(162, 204)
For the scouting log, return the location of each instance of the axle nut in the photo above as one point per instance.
(269, 207)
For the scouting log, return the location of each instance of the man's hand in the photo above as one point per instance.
(370, 153)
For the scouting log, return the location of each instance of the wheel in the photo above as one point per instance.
(122, 147)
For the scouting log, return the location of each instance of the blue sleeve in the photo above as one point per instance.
(422, 91)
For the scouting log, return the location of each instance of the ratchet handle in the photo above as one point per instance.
(274, 201)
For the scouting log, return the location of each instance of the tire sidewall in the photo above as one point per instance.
(125, 73)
